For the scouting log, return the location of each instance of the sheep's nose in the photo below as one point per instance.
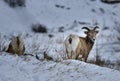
(93, 39)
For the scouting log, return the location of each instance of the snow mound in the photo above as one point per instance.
(14, 68)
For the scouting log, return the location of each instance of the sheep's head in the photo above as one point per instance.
(91, 33)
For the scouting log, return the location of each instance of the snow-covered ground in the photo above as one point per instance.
(14, 68)
(72, 15)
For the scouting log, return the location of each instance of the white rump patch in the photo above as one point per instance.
(75, 41)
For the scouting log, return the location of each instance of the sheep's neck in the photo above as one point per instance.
(89, 42)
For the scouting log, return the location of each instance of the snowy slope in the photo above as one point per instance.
(47, 13)
(72, 15)
(14, 19)
(29, 69)
(84, 11)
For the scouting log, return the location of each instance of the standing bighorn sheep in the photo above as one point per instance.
(79, 47)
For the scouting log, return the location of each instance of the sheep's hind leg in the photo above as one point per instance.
(73, 55)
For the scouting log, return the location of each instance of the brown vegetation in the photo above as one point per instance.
(16, 46)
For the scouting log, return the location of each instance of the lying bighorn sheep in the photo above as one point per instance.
(79, 47)
(16, 46)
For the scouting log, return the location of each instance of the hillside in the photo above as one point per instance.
(71, 16)
(14, 68)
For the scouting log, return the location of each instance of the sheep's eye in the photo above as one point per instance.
(97, 31)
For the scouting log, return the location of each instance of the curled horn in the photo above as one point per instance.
(95, 27)
(86, 28)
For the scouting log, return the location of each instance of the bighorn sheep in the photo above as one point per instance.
(79, 47)
(16, 46)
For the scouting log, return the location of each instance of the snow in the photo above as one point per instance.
(29, 69)
(74, 15)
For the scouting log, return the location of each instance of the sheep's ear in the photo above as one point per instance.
(86, 32)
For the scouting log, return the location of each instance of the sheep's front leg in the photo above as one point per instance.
(83, 57)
